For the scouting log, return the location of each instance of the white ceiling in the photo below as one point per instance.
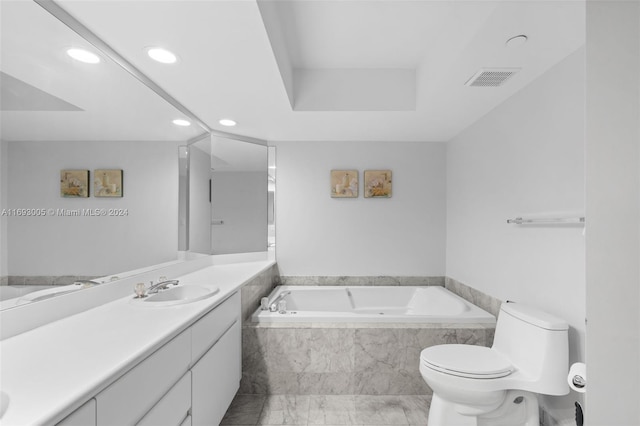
(280, 68)
(442, 43)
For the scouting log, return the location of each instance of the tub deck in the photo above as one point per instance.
(371, 304)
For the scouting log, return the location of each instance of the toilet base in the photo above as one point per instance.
(518, 409)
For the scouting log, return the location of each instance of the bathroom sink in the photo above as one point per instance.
(49, 293)
(178, 295)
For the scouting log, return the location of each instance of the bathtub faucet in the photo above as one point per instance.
(274, 305)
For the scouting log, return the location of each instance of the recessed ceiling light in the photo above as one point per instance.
(162, 55)
(83, 56)
(227, 122)
(181, 122)
(516, 41)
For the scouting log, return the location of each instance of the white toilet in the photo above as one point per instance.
(497, 386)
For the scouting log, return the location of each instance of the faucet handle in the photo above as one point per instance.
(140, 290)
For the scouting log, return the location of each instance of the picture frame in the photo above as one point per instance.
(107, 183)
(377, 183)
(344, 183)
(74, 183)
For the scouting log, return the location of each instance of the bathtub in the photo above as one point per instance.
(401, 304)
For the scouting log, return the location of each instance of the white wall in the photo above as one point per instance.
(319, 235)
(56, 245)
(524, 158)
(613, 213)
(240, 201)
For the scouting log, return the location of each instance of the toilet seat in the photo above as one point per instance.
(477, 362)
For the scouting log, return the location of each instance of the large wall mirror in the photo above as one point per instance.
(61, 114)
(229, 189)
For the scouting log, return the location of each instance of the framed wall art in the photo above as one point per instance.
(74, 183)
(344, 183)
(107, 183)
(377, 184)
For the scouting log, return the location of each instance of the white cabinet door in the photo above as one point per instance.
(216, 378)
(127, 400)
(209, 328)
(173, 408)
(83, 416)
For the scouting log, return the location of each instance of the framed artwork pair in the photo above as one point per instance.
(106, 183)
(345, 184)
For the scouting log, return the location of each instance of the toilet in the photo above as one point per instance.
(498, 386)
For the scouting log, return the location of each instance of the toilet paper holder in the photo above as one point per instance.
(577, 377)
(579, 381)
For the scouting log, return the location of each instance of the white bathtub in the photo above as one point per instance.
(432, 304)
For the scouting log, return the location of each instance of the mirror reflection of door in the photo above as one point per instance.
(228, 196)
(199, 196)
(239, 181)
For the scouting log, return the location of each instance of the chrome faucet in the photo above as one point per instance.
(162, 285)
(274, 305)
(86, 283)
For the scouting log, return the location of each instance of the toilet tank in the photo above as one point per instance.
(537, 344)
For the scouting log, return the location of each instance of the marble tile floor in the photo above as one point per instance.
(363, 410)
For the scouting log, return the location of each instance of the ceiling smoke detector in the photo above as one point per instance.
(491, 77)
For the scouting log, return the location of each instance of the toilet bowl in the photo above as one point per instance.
(476, 385)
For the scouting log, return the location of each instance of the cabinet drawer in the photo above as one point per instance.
(173, 408)
(209, 328)
(126, 400)
(216, 378)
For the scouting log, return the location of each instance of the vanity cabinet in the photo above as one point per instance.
(217, 361)
(174, 408)
(208, 329)
(83, 416)
(216, 378)
(130, 397)
(190, 380)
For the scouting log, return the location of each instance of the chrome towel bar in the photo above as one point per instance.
(525, 221)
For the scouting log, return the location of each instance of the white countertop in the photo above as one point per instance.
(50, 371)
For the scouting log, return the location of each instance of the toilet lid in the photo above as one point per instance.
(466, 361)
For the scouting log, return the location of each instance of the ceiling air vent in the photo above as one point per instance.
(491, 77)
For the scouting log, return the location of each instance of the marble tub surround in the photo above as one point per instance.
(257, 288)
(361, 280)
(470, 294)
(4, 280)
(46, 279)
(328, 410)
(343, 358)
